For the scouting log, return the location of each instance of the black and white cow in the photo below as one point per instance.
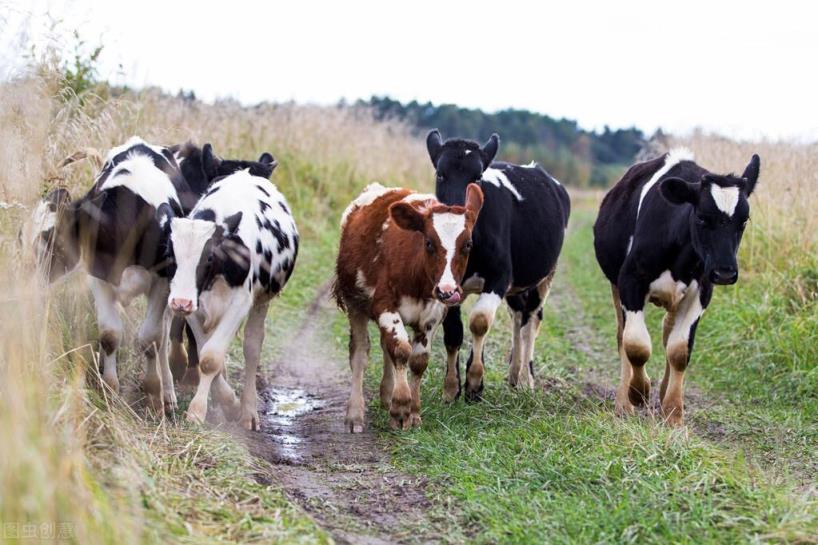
(666, 233)
(517, 240)
(231, 255)
(118, 231)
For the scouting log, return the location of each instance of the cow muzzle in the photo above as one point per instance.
(448, 294)
(181, 307)
(724, 276)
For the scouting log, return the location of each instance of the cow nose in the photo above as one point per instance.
(724, 276)
(181, 306)
(448, 293)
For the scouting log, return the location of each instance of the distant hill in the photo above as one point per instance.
(574, 155)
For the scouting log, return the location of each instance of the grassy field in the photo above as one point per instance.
(550, 466)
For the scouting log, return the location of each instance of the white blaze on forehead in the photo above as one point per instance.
(367, 197)
(726, 198)
(448, 227)
(498, 178)
(674, 157)
(189, 238)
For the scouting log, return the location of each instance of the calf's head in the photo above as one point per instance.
(52, 232)
(457, 164)
(446, 232)
(720, 213)
(200, 166)
(200, 251)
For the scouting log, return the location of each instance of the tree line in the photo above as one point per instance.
(574, 155)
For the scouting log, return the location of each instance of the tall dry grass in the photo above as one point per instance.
(75, 459)
(784, 207)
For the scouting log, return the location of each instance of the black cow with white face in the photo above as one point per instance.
(233, 253)
(667, 232)
(118, 232)
(516, 242)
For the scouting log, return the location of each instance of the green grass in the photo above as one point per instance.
(556, 466)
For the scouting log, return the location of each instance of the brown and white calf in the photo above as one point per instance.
(401, 261)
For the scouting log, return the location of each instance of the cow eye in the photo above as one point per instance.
(467, 246)
(700, 221)
(430, 246)
(440, 178)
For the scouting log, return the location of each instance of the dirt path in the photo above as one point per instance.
(344, 481)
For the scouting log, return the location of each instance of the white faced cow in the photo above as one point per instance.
(118, 231)
(666, 233)
(231, 255)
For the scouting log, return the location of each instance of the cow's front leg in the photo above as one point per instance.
(178, 355)
(253, 339)
(678, 345)
(109, 323)
(395, 339)
(212, 355)
(480, 321)
(418, 362)
(151, 343)
(453, 339)
(634, 345)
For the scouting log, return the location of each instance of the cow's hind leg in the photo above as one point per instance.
(150, 342)
(452, 339)
(516, 308)
(178, 355)
(480, 321)
(531, 321)
(109, 323)
(358, 358)
(253, 339)
(190, 380)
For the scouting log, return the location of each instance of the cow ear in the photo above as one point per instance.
(232, 222)
(489, 150)
(210, 163)
(269, 164)
(406, 216)
(751, 174)
(474, 199)
(678, 191)
(434, 144)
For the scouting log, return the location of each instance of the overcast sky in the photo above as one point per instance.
(747, 69)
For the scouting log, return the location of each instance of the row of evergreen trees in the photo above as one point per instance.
(572, 154)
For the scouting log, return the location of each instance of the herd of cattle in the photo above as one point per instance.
(211, 241)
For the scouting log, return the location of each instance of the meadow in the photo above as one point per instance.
(550, 466)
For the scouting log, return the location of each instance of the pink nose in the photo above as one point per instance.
(448, 294)
(182, 306)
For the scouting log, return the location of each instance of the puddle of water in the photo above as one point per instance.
(282, 407)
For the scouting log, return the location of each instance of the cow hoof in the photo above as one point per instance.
(249, 420)
(112, 382)
(415, 420)
(451, 391)
(639, 392)
(400, 413)
(196, 412)
(673, 416)
(155, 404)
(354, 420)
(386, 398)
(473, 395)
(623, 406)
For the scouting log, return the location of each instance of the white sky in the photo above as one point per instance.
(747, 69)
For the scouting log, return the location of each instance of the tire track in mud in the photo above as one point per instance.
(344, 481)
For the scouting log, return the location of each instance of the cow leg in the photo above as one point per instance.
(358, 359)
(178, 354)
(418, 362)
(253, 339)
(190, 380)
(633, 341)
(480, 320)
(530, 328)
(168, 390)
(149, 341)
(212, 357)
(516, 305)
(396, 341)
(678, 346)
(388, 378)
(109, 323)
(453, 339)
